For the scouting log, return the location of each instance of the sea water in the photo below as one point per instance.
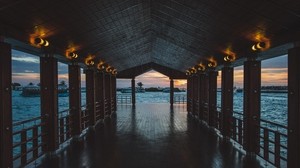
(273, 105)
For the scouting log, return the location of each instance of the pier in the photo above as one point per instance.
(110, 40)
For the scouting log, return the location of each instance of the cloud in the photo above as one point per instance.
(25, 78)
(277, 62)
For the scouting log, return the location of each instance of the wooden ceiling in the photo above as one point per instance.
(177, 34)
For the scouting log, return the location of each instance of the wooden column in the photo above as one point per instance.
(227, 100)
(75, 98)
(133, 91)
(108, 94)
(114, 92)
(195, 93)
(212, 102)
(188, 94)
(191, 95)
(252, 85)
(205, 107)
(171, 91)
(101, 93)
(90, 95)
(201, 95)
(6, 158)
(49, 102)
(293, 153)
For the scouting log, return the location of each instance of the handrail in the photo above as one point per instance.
(26, 121)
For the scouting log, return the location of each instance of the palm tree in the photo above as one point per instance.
(140, 84)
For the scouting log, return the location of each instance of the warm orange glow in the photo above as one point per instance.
(201, 67)
(100, 65)
(41, 42)
(257, 37)
(259, 46)
(89, 60)
(39, 32)
(70, 52)
(71, 55)
(193, 70)
(180, 83)
(212, 63)
(230, 56)
(114, 72)
(187, 72)
(108, 68)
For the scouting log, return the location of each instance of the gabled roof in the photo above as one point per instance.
(172, 33)
(141, 69)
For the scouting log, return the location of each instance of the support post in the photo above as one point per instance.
(114, 92)
(171, 91)
(293, 153)
(201, 96)
(227, 100)
(49, 102)
(191, 95)
(75, 99)
(252, 85)
(212, 75)
(108, 94)
(205, 98)
(195, 93)
(90, 95)
(97, 95)
(6, 157)
(133, 91)
(188, 94)
(101, 93)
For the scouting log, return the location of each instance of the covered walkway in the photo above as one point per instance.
(152, 135)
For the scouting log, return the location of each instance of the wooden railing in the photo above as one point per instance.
(237, 130)
(112, 104)
(124, 99)
(27, 144)
(84, 118)
(98, 110)
(273, 138)
(273, 143)
(179, 99)
(64, 126)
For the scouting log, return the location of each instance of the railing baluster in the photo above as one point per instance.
(35, 142)
(277, 149)
(68, 127)
(240, 131)
(234, 128)
(61, 130)
(24, 147)
(266, 144)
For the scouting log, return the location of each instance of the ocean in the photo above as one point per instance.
(273, 105)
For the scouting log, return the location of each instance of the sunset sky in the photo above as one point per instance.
(25, 69)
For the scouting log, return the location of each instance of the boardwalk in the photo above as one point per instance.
(151, 136)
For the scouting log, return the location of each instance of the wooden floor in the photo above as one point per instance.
(151, 136)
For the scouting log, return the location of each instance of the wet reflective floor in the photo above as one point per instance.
(151, 136)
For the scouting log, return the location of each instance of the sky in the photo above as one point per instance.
(25, 69)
